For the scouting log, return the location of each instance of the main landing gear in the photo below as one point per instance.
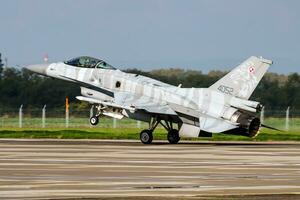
(173, 136)
(146, 135)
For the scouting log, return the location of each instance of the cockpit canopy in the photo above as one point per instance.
(89, 62)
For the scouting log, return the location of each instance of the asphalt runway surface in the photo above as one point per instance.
(102, 169)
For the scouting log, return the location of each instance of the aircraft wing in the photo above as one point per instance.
(143, 103)
(132, 103)
(154, 107)
(110, 104)
(126, 101)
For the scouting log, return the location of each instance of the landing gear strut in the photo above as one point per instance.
(173, 134)
(146, 135)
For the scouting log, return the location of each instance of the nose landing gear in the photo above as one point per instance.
(94, 120)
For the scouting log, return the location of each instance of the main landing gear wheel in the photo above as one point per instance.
(173, 136)
(94, 120)
(146, 136)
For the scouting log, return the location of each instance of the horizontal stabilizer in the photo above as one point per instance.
(272, 128)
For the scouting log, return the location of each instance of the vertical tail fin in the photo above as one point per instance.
(242, 80)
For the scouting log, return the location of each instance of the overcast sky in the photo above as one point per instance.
(151, 34)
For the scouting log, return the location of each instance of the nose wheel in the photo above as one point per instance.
(94, 120)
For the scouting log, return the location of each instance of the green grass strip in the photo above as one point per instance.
(133, 133)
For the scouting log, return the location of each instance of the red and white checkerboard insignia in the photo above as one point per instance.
(251, 69)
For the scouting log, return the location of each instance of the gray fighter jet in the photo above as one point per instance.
(183, 112)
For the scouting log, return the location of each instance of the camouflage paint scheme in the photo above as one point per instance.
(222, 107)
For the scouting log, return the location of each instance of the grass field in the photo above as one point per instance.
(29, 122)
(79, 128)
(133, 133)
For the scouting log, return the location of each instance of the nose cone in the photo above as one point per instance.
(40, 68)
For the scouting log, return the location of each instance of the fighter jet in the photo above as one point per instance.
(183, 112)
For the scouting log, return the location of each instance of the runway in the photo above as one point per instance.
(64, 169)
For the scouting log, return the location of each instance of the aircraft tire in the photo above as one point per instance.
(146, 136)
(94, 120)
(173, 136)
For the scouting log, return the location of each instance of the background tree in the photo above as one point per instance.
(292, 91)
(1, 67)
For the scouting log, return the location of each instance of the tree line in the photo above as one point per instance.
(19, 86)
